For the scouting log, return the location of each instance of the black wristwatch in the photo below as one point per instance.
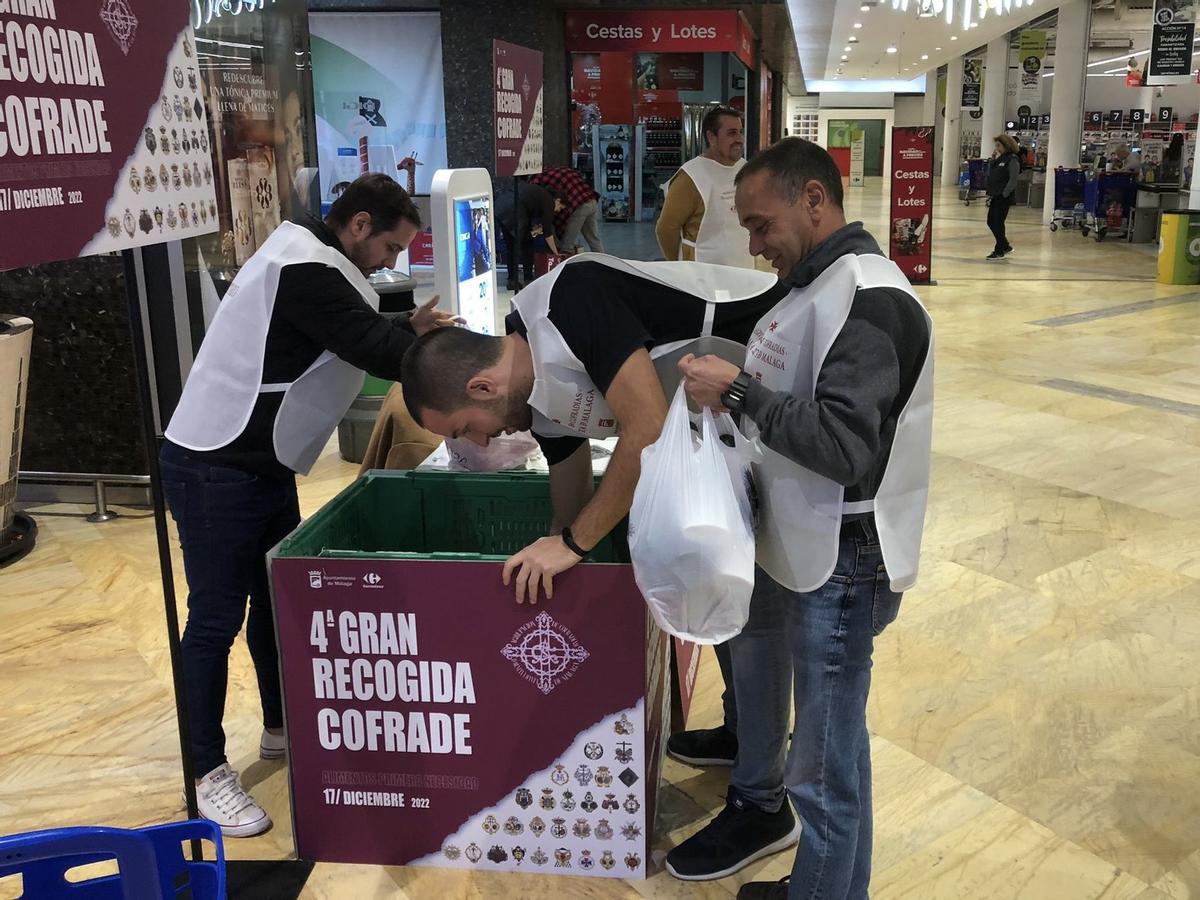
(569, 540)
(735, 395)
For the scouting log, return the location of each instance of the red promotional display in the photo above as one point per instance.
(431, 720)
(100, 99)
(911, 244)
(670, 71)
(517, 87)
(661, 31)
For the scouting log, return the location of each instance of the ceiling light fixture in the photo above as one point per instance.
(924, 56)
(844, 57)
(864, 8)
(954, 37)
(858, 24)
(847, 49)
(891, 48)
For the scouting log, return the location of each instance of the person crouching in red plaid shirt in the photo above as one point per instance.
(580, 213)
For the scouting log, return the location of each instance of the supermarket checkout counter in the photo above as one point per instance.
(1146, 216)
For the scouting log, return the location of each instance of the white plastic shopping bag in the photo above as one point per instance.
(690, 536)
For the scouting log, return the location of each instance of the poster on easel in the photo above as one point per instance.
(99, 141)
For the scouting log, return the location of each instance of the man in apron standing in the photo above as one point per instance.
(698, 221)
(578, 362)
(281, 363)
(838, 386)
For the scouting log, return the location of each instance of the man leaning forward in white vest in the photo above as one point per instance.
(281, 363)
(698, 221)
(838, 386)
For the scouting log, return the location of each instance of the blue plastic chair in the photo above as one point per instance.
(151, 861)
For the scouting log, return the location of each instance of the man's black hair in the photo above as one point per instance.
(792, 163)
(711, 124)
(378, 195)
(437, 367)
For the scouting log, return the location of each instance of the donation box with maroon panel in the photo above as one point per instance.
(432, 720)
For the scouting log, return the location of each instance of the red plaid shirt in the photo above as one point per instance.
(574, 189)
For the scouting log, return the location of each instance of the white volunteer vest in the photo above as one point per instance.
(801, 512)
(226, 378)
(721, 238)
(565, 401)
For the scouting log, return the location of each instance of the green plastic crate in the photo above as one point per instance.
(437, 515)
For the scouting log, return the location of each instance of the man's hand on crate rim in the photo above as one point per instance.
(537, 565)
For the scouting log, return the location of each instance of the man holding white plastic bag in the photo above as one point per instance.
(838, 387)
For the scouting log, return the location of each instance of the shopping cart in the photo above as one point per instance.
(1068, 198)
(1107, 201)
(972, 180)
(150, 863)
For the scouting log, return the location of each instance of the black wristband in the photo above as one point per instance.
(569, 540)
(735, 394)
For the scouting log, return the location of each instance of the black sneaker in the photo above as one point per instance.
(1008, 250)
(704, 747)
(765, 890)
(995, 254)
(740, 834)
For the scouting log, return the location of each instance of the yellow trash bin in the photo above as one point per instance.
(1179, 247)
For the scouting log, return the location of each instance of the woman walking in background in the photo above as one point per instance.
(1001, 188)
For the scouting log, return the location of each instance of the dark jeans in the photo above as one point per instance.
(228, 520)
(728, 698)
(997, 212)
(815, 648)
(511, 255)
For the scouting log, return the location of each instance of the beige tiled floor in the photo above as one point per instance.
(1036, 707)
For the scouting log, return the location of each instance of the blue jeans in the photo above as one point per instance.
(228, 520)
(822, 642)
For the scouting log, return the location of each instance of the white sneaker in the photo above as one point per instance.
(221, 798)
(272, 746)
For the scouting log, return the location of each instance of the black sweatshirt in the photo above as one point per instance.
(534, 204)
(316, 309)
(845, 432)
(605, 315)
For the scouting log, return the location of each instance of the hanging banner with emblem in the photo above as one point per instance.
(972, 87)
(1031, 52)
(103, 133)
(911, 245)
(1171, 42)
(517, 87)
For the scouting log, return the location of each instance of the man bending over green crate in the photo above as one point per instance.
(581, 359)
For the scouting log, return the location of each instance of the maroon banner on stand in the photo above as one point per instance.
(99, 129)
(911, 245)
(517, 87)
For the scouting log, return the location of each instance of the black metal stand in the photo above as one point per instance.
(151, 438)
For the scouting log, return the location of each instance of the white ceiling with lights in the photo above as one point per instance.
(889, 43)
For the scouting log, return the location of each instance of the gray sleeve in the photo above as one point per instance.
(1014, 172)
(837, 433)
